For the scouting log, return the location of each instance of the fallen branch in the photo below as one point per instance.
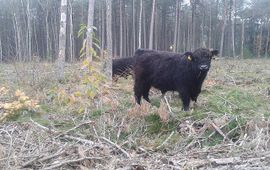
(166, 140)
(168, 105)
(31, 161)
(221, 127)
(10, 145)
(226, 161)
(202, 130)
(218, 129)
(65, 136)
(68, 131)
(43, 127)
(231, 79)
(52, 156)
(232, 131)
(80, 140)
(72, 161)
(117, 146)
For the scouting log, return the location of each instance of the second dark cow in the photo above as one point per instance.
(169, 71)
(122, 67)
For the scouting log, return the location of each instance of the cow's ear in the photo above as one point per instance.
(214, 52)
(189, 56)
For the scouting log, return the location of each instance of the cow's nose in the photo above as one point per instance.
(204, 67)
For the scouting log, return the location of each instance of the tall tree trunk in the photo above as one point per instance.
(224, 17)
(29, 31)
(176, 26)
(90, 22)
(151, 35)
(193, 23)
(133, 26)
(121, 29)
(108, 62)
(260, 41)
(115, 32)
(180, 32)
(124, 44)
(203, 38)
(140, 26)
(23, 29)
(71, 35)
(232, 26)
(210, 27)
(36, 39)
(144, 29)
(216, 31)
(267, 39)
(242, 38)
(189, 34)
(55, 38)
(48, 47)
(62, 41)
(1, 51)
(155, 34)
(18, 38)
(184, 26)
(102, 30)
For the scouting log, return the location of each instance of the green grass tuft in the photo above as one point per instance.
(156, 126)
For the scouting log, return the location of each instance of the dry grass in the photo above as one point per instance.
(227, 128)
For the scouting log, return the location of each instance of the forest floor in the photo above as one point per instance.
(51, 125)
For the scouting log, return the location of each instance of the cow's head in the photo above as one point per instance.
(201, 58)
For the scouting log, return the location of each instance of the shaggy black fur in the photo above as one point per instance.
(122, 67)
(169, 71)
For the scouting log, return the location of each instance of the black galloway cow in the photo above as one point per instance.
(169, 71)
(122, 67)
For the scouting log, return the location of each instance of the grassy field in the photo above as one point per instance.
(75, 125)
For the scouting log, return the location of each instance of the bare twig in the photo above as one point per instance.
(43, 127)
(120, 128)
(231, 78)
(65, 136)
(81, 140)
(68, 131)
(168, 105)
(226, 161)
(221, 127)
(166, 140)
(218, 129)
(225, 100)
(117, 146)
(202, 130)
(10, 145)
(31, 161)
(72, 161)
(232, 131)
(53, 156)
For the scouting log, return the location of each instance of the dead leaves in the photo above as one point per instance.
(21, 102)
(163, 112)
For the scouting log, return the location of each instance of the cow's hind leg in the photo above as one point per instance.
(146, 92)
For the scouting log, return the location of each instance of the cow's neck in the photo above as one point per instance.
(200, 77)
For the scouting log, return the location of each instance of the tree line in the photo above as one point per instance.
(30, 28)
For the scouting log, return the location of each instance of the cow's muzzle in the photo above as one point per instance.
(204, 67)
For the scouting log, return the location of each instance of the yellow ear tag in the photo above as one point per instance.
(189, 58)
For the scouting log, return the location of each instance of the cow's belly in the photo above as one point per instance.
(164, 86)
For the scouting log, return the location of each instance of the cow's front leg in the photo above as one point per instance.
(185, 97)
